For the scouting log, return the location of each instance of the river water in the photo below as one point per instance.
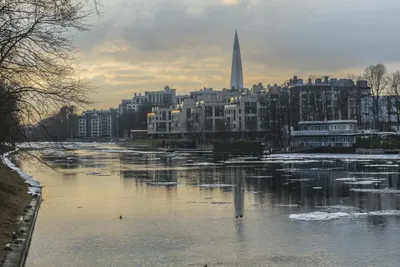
(180, 209)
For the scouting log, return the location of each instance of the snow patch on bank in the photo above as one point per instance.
(35, 187)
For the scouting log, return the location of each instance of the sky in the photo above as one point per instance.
(143, 45)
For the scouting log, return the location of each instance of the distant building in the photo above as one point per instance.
(95, 124)
(171, 120)
(242, 114)
(163, 98)
(326, 100)
(236, 71)
(334, 133)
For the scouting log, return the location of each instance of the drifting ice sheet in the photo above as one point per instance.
(326, 216)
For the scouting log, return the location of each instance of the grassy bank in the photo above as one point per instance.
(13, 200)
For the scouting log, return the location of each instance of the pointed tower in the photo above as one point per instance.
(237, 72)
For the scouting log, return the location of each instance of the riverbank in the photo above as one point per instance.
(13, 200)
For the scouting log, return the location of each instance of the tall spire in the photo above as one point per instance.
(236, 72)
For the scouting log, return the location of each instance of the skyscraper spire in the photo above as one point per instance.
(236, 72)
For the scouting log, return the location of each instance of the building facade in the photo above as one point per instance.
(162, 98)
(334, 133)
(96, 124)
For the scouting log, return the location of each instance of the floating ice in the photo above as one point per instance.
(326, 216)
(347, 179)
(370, 182)
(318, 216)
(382, 165)
(217, 185)
(34, 188)
(378, 191)
(384, 213)
(259, 176)
(202, 164)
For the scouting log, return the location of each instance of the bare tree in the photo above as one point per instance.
(36, 62)
(195, 125)
(378, 79)
(394, 93)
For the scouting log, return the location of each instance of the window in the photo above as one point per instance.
(219, 111)
(208, 111)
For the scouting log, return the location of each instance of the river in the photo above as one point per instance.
(192, 209)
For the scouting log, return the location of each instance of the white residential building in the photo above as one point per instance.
(334, 133)
(165, 97)
(96, 123)
(242, 114)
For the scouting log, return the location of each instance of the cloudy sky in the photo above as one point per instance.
(140, 45)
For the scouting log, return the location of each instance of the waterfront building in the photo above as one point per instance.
(163, 98)
(242, 114)
(95, 124)
(327, 99)
(172, 120)
(333, 133)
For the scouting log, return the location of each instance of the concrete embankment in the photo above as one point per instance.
(20, 245)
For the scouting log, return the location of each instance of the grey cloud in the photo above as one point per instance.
(280, 34)
(276, 36)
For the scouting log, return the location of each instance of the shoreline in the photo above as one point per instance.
(21, 196)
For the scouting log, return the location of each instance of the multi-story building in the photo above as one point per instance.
(172, 120)
(334, 133)
(242, 114)
(132, 104)
(328, 99)
(96, 123)
(162, 98)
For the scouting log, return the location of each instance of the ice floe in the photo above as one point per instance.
(202, 164)
(366, 182)
(35, 187)
(326, 216)
(318, 216)
(378, 191)
(217, 185)
(382, 165)
(353, 179)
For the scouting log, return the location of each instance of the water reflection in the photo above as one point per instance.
(180, 209)
(308, 183)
